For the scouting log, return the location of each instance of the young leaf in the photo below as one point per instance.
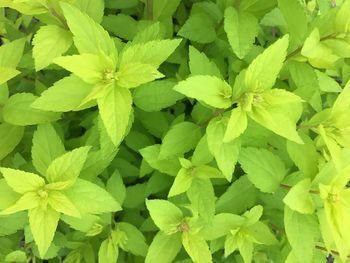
(47, 146)
(136, 242)
(50, 42)
(43, 223)
(263, 71)
(181, 184)
(115, 109)
(68, 166)
(65, 95)
(237, 124)
(60, 203)
(89, 67)
(108, 252)
(22, 182)
(225, 154)
(164, 248)
(135, 74)
(89, 36)
(241, 29)
(196, 247)
(165, 215)
(152, 52)
(90, 198)
(27, 201)
(217, 93)
(264, 169)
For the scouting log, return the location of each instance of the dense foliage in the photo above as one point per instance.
(174, 131)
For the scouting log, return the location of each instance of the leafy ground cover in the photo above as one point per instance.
(180, 131)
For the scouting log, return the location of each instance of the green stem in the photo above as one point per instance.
(149, 4)
(286, 186)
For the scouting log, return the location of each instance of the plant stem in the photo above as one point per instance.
(307, 126)
(149, 9)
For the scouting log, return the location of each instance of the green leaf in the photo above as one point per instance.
(226, 154)
(196, 247)
(200, 64)
(16, 256)
(241, 28)
(22, 182)
(135, 243)
(295, 16)
(67, 94)
(50, 42)
(165, 215)
(116, 187)
(164, 8)
(208, 89)
(95, 69)
(264, 169)
(263, 71)
(7, 74)
(305, 156)
(10, 224)
(169, 166)
(342, 21)
(90, 198)
(68, 166)
(11, 136)
(10, 55)
(108, 252)
(181, 138)
(202, 197)
(47, 146)
(182, 183)
(299, 199)
(60, 203)
(94, 8)
(156, 95)
(18, 111)
(116, 25)
(43, 223)
(133, 75)
(27, 201)
(152, 52)
(164, 248)
(115, 109)
(275, 120)
(199, 28)
(89, 36)
(299, 228)
(236, 125)
(8, 197)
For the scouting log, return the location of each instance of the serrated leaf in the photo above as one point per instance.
(47, 146)
(299, 199)
(241, 29)
(199, 28)
(236, 125)
(164, 248)
(68, 166)
(156, 95)
(115, 109)
(165, 214)
(20, 181)
(208, 89)
(181, 138)
(108, 252)
(65, 95)
(263, 71)
(11, 136)
(43, 224)
(264, 169)
(200, 64)
(50, 42)
(196, 247)
(89, 36)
